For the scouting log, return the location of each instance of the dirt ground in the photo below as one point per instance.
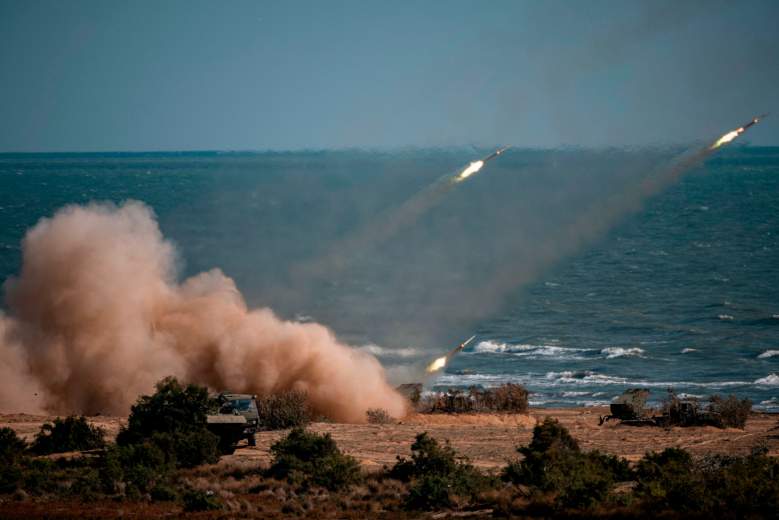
(488, 440)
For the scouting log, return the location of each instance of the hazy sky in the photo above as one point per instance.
(183, 75)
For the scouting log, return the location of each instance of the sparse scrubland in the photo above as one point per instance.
(164, 462)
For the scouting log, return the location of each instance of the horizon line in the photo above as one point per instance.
(216, 151)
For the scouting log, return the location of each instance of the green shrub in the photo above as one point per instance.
(720, 487)
(11, 446)
(174, 419)
(10, 476)
(730, 412)
(667, 480)
(73, 433)
(437, 476)
(554, 464)
(172, 408)
(196, 500)
(189, 449)
(743, 487)
(284, 410)
(309, 458)
(163, 492)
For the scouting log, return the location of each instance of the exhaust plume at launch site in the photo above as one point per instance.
(96, 317)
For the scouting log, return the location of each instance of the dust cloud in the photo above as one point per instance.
(96, 317)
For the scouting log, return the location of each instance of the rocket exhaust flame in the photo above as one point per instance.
(472, 168)
(440, 363)
(730, 136)
(436, 365)
(475, 166)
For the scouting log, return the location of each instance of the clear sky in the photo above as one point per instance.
(256, 75)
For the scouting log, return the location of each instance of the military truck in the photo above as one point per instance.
(235, 419)
(630, 408)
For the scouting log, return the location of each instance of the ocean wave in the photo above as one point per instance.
(529, 351)
(587, 377)
(769, 380)
(583, 378)
(383, 352)
(688, 350)
(725, 317)
(615, 352)
(768, 354)
(575, 394)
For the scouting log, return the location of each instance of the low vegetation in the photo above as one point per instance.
(438, 477)
(284, 410)
(379, 416)
(173, 420)
(312, 459)
(507, 398)
(73, 433)
(162, 460)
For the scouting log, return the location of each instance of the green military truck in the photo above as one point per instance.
(236, 418)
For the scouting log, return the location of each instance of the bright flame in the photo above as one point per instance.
(469, 170)
(438, 364)
(725, 139)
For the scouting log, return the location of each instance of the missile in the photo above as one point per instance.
(460, 347)
(754, 121)
(500, 151)
(725, 139)
(475, 166)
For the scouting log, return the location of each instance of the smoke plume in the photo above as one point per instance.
(96, 317)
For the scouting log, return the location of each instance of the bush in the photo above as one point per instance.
(720, 487)
(730, 412)
(139, 466)
(11, 446)
(379, 416)
(553, 463)
(437, 476)
(189, 449)
(743, 487)
(172, 408)
(510, 398)
(70, 434)
(667, 480)
(196, 500)
(284, 410)
(173, 419)
(308, 458)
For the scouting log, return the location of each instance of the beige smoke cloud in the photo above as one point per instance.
(97, 317)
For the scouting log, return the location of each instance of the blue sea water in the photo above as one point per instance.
(567, 295)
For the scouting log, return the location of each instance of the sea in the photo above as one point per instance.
(577, 282)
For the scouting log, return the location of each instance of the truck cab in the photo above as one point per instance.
(237, 418)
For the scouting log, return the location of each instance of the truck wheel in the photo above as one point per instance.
(227, 448)
(252, 440)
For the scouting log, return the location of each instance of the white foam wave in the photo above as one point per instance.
(769, 354)
(725, 317)
(384, 352)
(688, 350)
(568, 378)
(529, 351)
(769, 380)
(615, 352)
